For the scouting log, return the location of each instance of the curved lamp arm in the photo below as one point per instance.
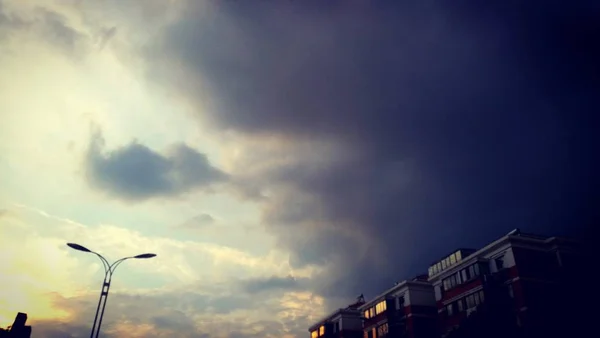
(109, 269)
(116, 263)
(104, 262)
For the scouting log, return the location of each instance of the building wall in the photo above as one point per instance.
(420, 297)
(350, 323)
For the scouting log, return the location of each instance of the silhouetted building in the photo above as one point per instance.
(407, 310)
(18, 329)
(520, 285)
(342, 323)
(517, 278)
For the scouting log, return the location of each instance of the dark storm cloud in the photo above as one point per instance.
(272, 284)
(136, 172)
(459, 120)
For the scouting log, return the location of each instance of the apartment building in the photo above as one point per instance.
(406, 310)
(520, 285)
(518, 274)
(342, 323)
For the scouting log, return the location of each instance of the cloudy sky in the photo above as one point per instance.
(280, 157)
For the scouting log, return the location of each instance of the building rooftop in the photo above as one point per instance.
(351, 309)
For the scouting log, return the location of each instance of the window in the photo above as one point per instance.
(452, 259)
(439, 266)
(367, 314)
(400, 302)
(336, 327)
(450, 309)
(464, 275)
(382, 330)
(381, 307)
(499, 263)
(475, 299)
(460, 305)
(430, 271)
(322, 330)
(458, 256)
(314, 334)
(443, 264)
(470, 301)
(476, 268)
(511, 291)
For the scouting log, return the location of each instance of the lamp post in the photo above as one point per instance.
(109, 269)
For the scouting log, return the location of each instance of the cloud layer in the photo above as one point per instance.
(135, 172)
(350, 143)
(455, 123)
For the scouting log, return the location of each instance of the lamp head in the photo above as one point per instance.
(78, 247)
(146, 255)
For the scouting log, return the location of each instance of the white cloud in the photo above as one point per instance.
(54, 283)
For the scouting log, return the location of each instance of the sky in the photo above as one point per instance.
(279, 157)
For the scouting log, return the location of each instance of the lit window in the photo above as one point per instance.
(452, 259)
(439, 266)
(443, 264)
(322, 330)
(367, 314)
(380, 307)
(458, 256)
(314, 334)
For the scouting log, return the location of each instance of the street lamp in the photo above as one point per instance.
(109, 269)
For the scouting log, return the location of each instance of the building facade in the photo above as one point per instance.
(513, 277)
(342, 323)
(407, 310)
(519, 285)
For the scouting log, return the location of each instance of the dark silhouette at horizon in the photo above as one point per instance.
(18, 329)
